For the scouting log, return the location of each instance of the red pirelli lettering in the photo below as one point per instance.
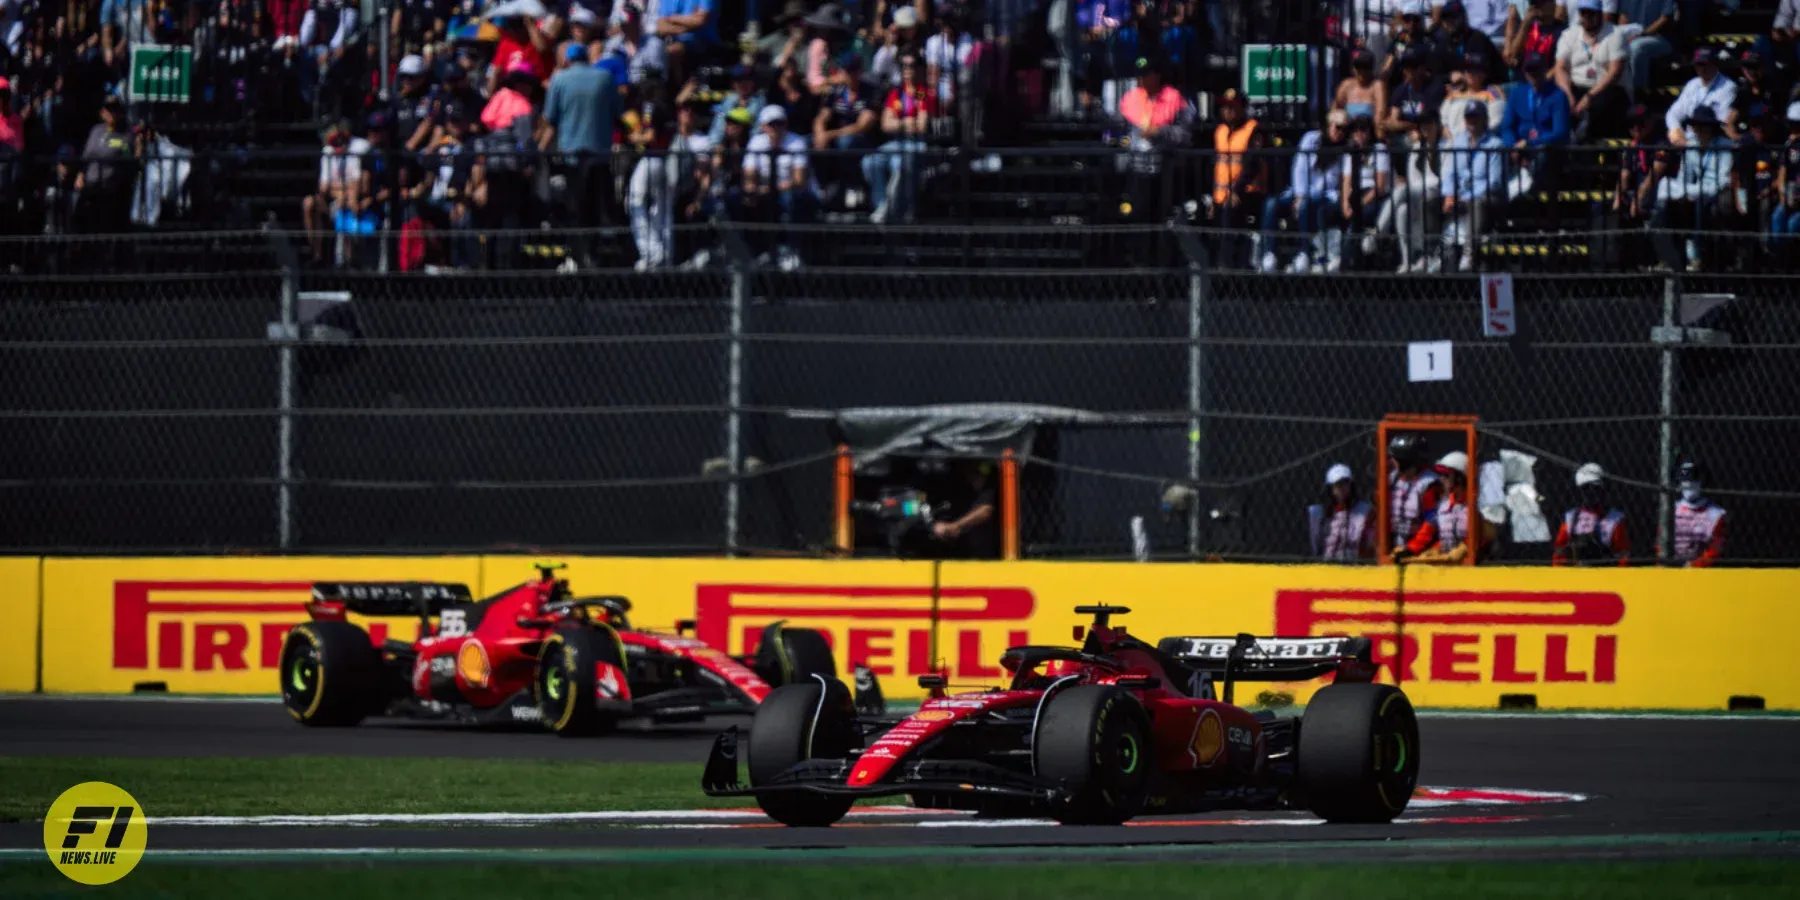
(1564, 622)
(133, 607)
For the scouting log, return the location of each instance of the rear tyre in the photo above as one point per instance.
(795, 723)
(568, 686)
(1359, 753)
(1093, 741)
(330, 674)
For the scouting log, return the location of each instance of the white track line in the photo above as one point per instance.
(713, 818)
(1696, 716)
(613, 817)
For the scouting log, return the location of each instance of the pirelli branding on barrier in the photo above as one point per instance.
(884, 613)
(1462, 637)
(1499, 637)
(905, 631)
(200, 626)
(1456, 636)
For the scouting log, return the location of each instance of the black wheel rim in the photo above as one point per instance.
(555, 685)
(1128, 754)
(300, 677)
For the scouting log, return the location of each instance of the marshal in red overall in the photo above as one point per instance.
(1095, 735)
(531, 653)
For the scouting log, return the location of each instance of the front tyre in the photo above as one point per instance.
(793, 655)
(795, 723)
(580, 669)
(1093, 741)
(330, 674)
(1359, 753)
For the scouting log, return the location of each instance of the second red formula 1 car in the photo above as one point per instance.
(1095, 735)
(532, 653)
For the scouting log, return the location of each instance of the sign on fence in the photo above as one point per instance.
(1497, 318)
(1275, 73)
(160, 73)
(1428, 361)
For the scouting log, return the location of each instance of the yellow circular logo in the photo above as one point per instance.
(95, 833)
(1209, 739)
(472, 662)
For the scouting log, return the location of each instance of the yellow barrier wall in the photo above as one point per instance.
(200, 625)
(19, 610)
(1574, 638)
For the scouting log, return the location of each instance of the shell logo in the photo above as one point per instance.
(1208, 740)
(933, 715)
(472, 664)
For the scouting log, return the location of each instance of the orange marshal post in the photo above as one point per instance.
(1464, 425)
(842, 489)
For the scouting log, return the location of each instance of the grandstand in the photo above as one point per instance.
(1028, 129)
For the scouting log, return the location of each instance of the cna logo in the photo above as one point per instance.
(209, 626)
(1500, 637)
(887, 628)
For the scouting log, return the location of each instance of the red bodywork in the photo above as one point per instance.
(1201, 744)
(489, 663)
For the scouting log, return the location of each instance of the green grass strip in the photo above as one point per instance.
(324, 785)
(1705, 880)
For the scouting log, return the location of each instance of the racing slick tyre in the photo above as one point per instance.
(1094, 742)
(793, 655)
(808, 654)
(330, 674)
(1359, 753)
(568, 685)
(795, 723)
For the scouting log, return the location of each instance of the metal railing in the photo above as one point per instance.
(1365, 207)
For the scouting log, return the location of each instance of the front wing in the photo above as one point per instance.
(828, 776)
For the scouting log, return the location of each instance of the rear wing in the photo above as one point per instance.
(1251, 658)
(386, 598)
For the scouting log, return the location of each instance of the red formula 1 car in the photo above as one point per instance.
(531, 653)
(1095, 735)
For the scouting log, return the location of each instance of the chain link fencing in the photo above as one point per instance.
(275, 407)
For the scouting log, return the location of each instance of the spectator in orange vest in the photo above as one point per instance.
(1240, 176)
(1699, 522)
(1592, 533)
(1340, 525)
(1444, 538)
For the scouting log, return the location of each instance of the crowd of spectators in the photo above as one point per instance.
(483, 115)
(1456, 114)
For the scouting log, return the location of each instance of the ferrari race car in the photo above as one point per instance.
(1095, 735)
(531, 653)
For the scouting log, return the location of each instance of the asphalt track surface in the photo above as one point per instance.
(1665, 787)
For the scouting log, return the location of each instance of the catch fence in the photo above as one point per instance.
(285, 408)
